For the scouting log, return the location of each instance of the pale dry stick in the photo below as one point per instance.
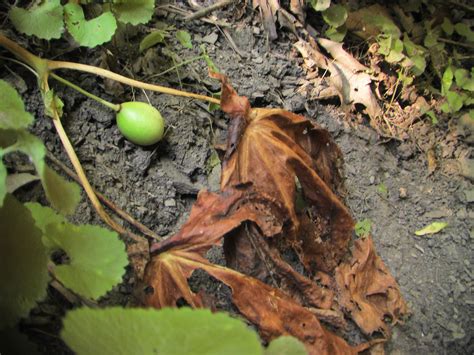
(121, 213)
(54, 65)
(207, 10)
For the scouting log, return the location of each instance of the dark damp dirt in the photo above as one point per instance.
(158, 185)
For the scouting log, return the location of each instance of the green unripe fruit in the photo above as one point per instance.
(140, 123)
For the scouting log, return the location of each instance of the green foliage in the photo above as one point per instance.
(48, 18)
(134, 11)
(335, 15)
(89, 33)
(14, 137)
(43, 20)
(286, 345)
(320, 5)
(97, 256)
(148, 331)
(153, 39)
(23, 271)
(11, 106)
(184, 38)
(363, 228)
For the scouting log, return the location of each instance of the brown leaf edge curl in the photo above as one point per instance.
(368, 291)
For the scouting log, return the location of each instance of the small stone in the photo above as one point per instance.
(469, 195)
(170, 202)
(372, 180)
(402, 193)
(258, 60)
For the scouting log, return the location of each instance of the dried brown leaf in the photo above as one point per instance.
(368, 291)
(347, 75)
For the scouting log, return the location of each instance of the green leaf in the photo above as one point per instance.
(447, 80)
(335, 16)
(286, 345)
(447, 26)
(23, 264)
(97, 255)
(184, 38)
(150, 331)
(52, 102)
(465, 31)
(419, 65)
(43, 21)
(464, 80)
(89, 33)
(44, 216)
(383, 23)
(3, 179)
(18, 180)
(12, 109)
(363, 227)
(320, 5)
(134, 12)
(152, 39)
(336, 34)
(396, 51)
(63, 195)
(208, 60)
(431, 39)
(432, 228)
(432, 116)
(455, 101)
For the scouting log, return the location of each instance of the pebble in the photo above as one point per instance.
(402, 193)
(170, 202)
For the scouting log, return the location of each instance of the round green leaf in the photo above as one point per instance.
(320, 5)
(336, 34)
(286, 345)
(12, 109)
(97, 257)
(23, 264)
(43, 21)
(149, 331)
(335, 16)
(447, 26)
(43, 217)
(63, 195)
(134, 12)
(464, 30)
(89, 33)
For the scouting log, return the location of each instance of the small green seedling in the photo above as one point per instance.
(140, 123)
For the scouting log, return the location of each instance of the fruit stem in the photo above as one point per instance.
(110, 105)
(78, 167)
(53, 65)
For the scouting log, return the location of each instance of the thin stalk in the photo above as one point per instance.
(186, 62)
(38, 64)
(54, 65)
(80, 171)
(86, 93)
(44, 66)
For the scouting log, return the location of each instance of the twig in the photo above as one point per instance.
(464, 6)
(121, 213)
(456, 43)
(207, 10)
(54, 65)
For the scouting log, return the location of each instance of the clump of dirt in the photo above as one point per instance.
(157, 185)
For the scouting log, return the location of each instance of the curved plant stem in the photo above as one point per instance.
(38, 64)
(79, 170)
(53, 65)
(86, 93)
